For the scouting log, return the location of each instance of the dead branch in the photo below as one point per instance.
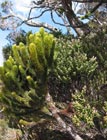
(65, 127)
(29, 22)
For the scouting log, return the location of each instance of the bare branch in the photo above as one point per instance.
(41, 24)
(73, 20)
(35, 7)
(30, 22)
(63, 8)
(55, 21)
(7, 17)
(65, 127)
(66, 24)
(89, 1)
(96, 7)
(39, 14)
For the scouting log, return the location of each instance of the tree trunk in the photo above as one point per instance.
(79, 27)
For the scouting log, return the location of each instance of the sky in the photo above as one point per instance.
(3, 42)
(21, 7)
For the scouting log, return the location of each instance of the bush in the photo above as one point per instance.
(24, 74)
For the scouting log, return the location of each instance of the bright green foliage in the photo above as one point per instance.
(105, 117)
(73, 63)
(78, 75)
(78, 65)
(24, 74)
(84, 112)
(83, 63)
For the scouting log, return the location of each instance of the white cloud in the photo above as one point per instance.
(1, 57)
(76, 7)
(22, 6)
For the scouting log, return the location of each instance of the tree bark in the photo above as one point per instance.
(75, 23)
(89, 1)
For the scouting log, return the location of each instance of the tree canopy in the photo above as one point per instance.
(73, 14)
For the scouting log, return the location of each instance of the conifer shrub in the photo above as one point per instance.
(73, 63)
(24, 74)
(73, 69)
(105, 114)
(65, 67)
(84, 111)
(79, 63)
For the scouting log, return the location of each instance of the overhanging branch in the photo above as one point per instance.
(96, 7)
(40, 24)
(30, 22)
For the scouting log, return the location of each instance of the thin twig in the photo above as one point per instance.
(55, 21)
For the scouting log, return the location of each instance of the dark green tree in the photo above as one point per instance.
(14, 38)
(24, 74)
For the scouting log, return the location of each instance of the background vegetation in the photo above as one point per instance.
(54, 85)
(75, 74)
